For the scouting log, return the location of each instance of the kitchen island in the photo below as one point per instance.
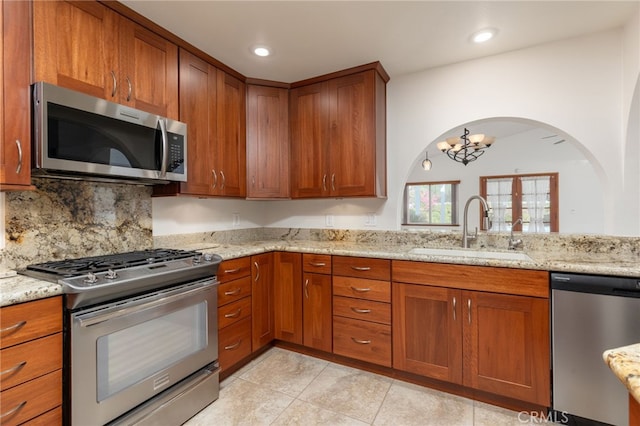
(625, 364)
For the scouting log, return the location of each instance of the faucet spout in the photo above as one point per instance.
(514, 243)
(485, 211)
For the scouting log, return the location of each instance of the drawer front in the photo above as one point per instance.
(28, 321)
(362, 267)
(234, 290)
(379, 291)
(234, 312)
(234, 343)
(30, 399)
(50, 418)
(363, 340)
(318, 263)
(233, 269)
(27, 361)
(361, 309)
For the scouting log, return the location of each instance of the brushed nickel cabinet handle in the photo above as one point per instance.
(360, 311)
(236, 314)
(361, 342)
(234, 346)
(19, 166)
(317, 264)
(13, 410)
(257, 271)
(232, 292)
(306, 288)
(13, 369)
(215, 179)
(115, 84)
(224, 180)
(14, 327)
(454, 308)
(324, 182)
(232, 271)
(333, 181)
(130, 91)
(361, 268)
(360, 290)
(469, 310)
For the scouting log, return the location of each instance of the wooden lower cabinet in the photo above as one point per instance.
(287, 299)
(363, 340)
(316, 311)
(234, 343)
(262, 300)
(497, 343)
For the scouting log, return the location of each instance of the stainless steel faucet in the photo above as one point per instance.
(485, 207)
(514, 243)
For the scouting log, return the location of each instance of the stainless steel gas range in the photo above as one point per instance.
(140, 335)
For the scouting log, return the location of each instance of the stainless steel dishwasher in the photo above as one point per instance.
(591, 314)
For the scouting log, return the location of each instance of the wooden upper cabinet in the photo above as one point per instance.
(15, 96)
(338, 137)
(85, 46)
(309, 123)
(231, 172)
(267, 142)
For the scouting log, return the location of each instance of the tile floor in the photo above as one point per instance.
(286, 388)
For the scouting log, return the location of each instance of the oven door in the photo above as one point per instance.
(125, 352)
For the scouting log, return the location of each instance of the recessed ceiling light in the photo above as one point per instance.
(261, 51)
(484, 35)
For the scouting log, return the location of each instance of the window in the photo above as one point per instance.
(431, 203)
(533, 198)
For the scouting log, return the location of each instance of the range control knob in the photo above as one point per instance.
(91, 278)
(208, 257)
(111, 274)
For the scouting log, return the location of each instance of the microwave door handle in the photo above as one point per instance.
(165, 147)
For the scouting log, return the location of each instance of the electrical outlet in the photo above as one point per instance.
(236, 219)
(370, 219)
(328, 220)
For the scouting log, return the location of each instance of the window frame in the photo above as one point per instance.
(455, 205)
(516, 194)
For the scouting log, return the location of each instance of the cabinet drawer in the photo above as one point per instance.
(234, 268)
(361, 309)
(234, 343)
(234, 290)
(234, 312)
(50, 418)
(27, 321)
(375, 290)
(31, 399)
(318, 263)
(27, 361)
(362, 267)
(363, 340)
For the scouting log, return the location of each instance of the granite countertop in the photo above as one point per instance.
(16, 289)
(625, 364)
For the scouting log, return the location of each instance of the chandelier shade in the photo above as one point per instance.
(466, 148)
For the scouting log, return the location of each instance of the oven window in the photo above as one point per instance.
(129, 355)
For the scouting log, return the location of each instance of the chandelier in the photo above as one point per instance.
(466, 148)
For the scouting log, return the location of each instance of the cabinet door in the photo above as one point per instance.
(267, 142)
(427, 331)
(148, 70)
(309, 120)
(75, 46)
(231, 150)
(198, 110)
(317, 311)
(506, 341)
(15, 96)
(287, 301)
(262, 299)
(352, 145)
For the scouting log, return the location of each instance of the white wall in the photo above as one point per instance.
(573, 85)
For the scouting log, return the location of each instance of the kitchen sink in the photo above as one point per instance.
(477, 254)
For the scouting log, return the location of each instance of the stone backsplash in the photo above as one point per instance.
(68, 218)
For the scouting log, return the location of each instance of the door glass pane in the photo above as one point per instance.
(499, 198)
(135, 353)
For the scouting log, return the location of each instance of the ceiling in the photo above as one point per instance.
(311, 38)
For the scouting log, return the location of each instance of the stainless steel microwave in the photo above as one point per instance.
(83, 137)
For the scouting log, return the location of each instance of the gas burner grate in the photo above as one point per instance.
(79, 266)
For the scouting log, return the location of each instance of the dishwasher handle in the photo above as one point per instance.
(596, 284)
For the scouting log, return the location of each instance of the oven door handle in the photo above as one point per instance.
(127, 308)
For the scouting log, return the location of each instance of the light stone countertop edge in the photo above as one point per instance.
(19, 288)
(625, 364)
